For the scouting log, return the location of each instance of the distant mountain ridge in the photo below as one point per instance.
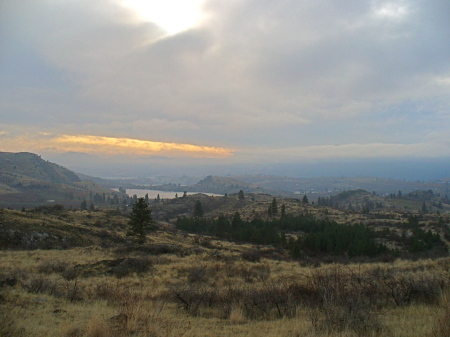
(28, 180)
(26, 168)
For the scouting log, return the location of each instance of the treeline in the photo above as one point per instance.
(302, 234)
(306, 235)
(337, 202)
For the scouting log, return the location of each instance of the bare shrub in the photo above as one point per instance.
(251, 256)
(271, 301)
(104, 291)
(73, 291)
(54, 266)
(130, 266)
(405, 288)
(41, 284)
(70, 274)
(197, 274)
(260, 272)
(343, 303)
(206, 242)
(152, 249)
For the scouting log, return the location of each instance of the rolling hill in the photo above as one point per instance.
(28, 180)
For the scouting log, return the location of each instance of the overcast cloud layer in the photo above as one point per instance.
(261, 80)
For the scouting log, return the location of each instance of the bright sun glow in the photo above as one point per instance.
(173, 16)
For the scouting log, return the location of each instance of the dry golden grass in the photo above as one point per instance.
(45, 301)
(131, 306)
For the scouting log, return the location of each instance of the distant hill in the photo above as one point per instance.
(224, 185)
(354, 200)
(25, 168)
(215, 184)
(28, 180)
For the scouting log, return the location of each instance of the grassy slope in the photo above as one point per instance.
(46, 301)
(28, 180)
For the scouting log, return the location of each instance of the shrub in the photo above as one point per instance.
(152, 249)
(343, 303)
(129, 266)
(54, 266)
(41, 284)
(251, 256)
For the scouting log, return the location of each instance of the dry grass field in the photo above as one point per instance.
(187, 285)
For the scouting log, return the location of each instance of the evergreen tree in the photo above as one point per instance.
(83, 205)
(305, 200)
(236, 221)
(198, 209)
(241, 195)
(140, 221)
(274, 206)
(424, 208)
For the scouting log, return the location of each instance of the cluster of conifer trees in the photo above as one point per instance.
(306, 235)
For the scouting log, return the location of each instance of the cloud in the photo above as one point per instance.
(256, 74)
(109, 146)
(351, 151)
(112, 145)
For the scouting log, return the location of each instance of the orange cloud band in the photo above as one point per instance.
(112, 145)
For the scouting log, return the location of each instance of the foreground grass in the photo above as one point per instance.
(181, 285)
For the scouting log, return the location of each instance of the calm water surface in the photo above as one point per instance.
(152, 194)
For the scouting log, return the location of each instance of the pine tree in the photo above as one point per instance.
(236, 221)
(424, 208)
(83, 205)
(305, 200)
(198, 209)
(140, 221)
(274, 207)
(241, 195)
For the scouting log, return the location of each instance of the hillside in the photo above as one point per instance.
(76, 273)
(28, 169)
(28, 180)
(210, 184)
(238, 270)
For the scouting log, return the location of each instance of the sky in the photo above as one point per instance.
(215, 83)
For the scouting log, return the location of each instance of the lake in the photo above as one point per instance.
(152, 194)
